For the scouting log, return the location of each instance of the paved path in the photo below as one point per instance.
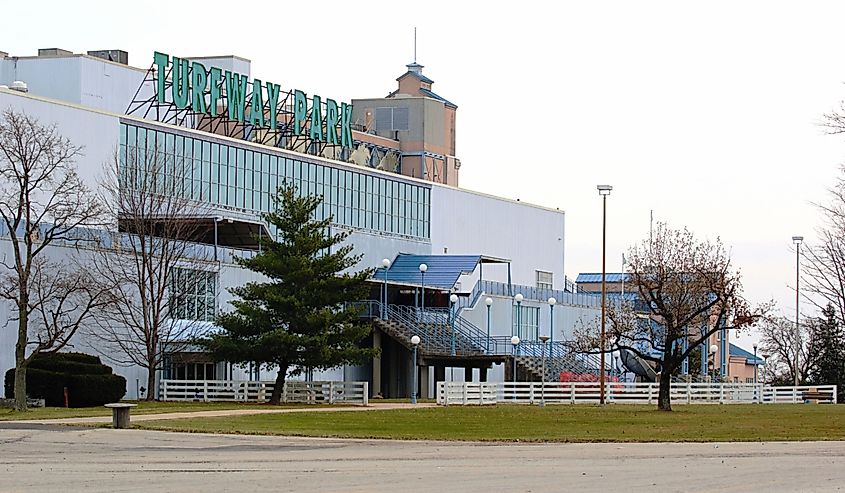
(223, 412)
(60, 458)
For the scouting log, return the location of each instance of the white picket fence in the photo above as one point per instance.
(256, 391)
(468, 393)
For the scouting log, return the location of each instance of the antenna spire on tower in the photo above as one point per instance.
(415, 44)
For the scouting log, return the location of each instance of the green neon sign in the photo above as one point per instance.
(200, 88)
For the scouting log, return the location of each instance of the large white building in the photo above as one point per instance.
(477, 246)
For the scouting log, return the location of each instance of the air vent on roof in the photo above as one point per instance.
(53, 52)
(388, 118)
(118, 56)
(19, 86)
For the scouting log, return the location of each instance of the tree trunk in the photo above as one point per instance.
(151, 385)
(20, 362)
(663, 396)
(278, 387)
(20, 387)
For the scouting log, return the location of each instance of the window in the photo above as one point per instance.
(544, 280)
(193, 294)
(194, 371)
(526, 322)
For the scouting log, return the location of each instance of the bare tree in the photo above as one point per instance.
(823, 262)
(43, 202)
(155, 263)
(687, 292)
(777, 341)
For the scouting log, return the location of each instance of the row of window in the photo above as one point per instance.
(230, 176)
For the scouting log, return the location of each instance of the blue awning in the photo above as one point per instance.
(443, 270)
(591, 277)
(749, 357)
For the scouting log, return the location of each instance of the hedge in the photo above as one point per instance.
(89, 382)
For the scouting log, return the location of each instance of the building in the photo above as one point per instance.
(729, 362)
(401, 203)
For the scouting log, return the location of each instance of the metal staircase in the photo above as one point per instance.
(559, 358)
(438, 333)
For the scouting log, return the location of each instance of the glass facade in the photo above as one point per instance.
(193, 294)
(246, 179)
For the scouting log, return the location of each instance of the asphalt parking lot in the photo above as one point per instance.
(37, 457)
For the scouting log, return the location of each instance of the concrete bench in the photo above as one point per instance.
(120, 414)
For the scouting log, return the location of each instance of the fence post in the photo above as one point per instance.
(721, 393)
(163, 390)
(465, 389)
(689, 392)
(366, 393)
(205, 390)
(331, 392)
(572, 392)
(650, 389)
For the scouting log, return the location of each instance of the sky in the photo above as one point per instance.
(706, 113)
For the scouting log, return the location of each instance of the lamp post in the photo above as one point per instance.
(552, 301)
(423, 268)
(765, 367)
(544, 339)
(453, 299)
(415, 341)
(386, 264)
(755, 364)
(713, 349)
(514, 343)
(489, 302)
(797, 240)
(604, 191)
(518, 298)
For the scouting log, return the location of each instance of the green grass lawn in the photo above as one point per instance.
(562, 423)
(144, 407)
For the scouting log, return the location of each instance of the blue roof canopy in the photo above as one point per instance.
(443, 270)
(596, 277)
(742, 353)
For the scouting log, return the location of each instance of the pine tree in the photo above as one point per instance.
(298, 319)
(829, 351)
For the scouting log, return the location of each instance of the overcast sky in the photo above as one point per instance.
(705, 113)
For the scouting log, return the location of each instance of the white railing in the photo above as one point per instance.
(255, 391)
(465, 393)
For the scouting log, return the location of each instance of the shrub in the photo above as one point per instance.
(89, 382)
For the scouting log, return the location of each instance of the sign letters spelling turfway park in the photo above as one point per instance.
(200, 88)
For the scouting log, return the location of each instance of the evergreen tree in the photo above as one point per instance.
(297, 319)
(829, 351)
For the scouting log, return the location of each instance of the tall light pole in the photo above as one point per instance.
(797, 240)
(386, 264)
(415, 341)
(518, 298)
(514, 343)
(552, 302)
(423, 268)
(713, 350)
(604, 191)
(544, 339)
(453, 300)
(489, 302)
(755, 364)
